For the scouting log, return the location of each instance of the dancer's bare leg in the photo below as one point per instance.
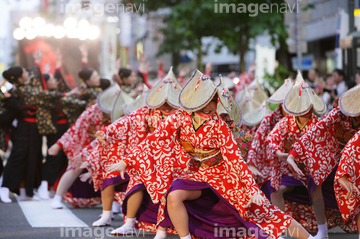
(65, 183)
(177, 211)
(318, 206)
(277, 197)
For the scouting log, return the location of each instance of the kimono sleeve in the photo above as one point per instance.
(155, 157)
(237, 167)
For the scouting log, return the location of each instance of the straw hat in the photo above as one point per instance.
(239, 96)
(228, 101)
(247, 103)
(107, 98)
(256, 92)
(279, 95)
(5, 86)
(301, 98)
(118, 108)
(255, 116)
(166, 90)
(349, 102)
(199, 91)
(138, 103)
(228, 83)
(235, 112)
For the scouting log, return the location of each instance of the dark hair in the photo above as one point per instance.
(124, 72)
(13, 74)
(340, 72)
(85, 74)
(46, 77)
(104, 83)
(141, 77)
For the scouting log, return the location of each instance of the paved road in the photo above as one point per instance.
(18, 220)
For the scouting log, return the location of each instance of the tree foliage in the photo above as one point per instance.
(190, 20)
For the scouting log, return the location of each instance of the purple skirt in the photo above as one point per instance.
(148, 211)
(83, 189)
(122, 183)
(211, 216)
(302, 195)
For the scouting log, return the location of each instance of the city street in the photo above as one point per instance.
(44, 222)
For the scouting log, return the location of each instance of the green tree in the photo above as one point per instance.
(190, 20)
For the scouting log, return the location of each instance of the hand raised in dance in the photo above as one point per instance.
(100, 136)
(257, 199)
(85, 177)
(117, 167)
(54, 150)
(293, 166)
(348, 185)
(254, 170)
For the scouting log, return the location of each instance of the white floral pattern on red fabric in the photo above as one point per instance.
(250, 130)
(349, 165)
(286, 129)
(160, 160)
(257, 152)
(77, 136)
(81, 202)
(318, 149)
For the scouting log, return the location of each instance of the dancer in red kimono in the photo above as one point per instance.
(299, 103)
(257, 160)
(320, 148)
(76, 138)
(123, 136)
(192, 164)
(92, 158)
(347, 181)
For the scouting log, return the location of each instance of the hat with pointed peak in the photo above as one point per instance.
(255, 116)
(301, 99)
(106, 98)
(349, 102)
(279, 95)
(121, 101)
(166, 90)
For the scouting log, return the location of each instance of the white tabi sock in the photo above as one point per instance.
(186, 237)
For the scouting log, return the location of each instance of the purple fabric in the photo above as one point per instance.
(83, 189)
(302, 195)
(122, 183)
(211, 216)
(148, 210)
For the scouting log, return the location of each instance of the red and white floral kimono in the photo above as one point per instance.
(160, 160)
(285, 133)
(257, 152)
(121, 137)
(349, 165)
(78, 136)
(77, 140)
(299, 205)
(250, 129)
(320, 148)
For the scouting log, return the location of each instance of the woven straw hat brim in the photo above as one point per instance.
(248, 104)
(122, 100)
(255, 117)
(106, 98)
(138, 103)
(350, 102)
(197, 92)
(299, 104)
(235, 112)
(239, 97)
(279, 95)
(257, 93)
(166, 90)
